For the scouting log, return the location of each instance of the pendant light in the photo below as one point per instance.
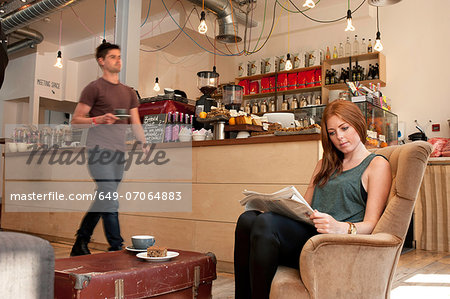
(288, 65)
(202, 28)
(378, 46)
(58, 63)
(350, 26)
(156, 87)
(309, 4)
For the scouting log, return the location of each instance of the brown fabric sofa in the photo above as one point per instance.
(360, 266)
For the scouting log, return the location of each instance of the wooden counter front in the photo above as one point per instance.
(221, 170)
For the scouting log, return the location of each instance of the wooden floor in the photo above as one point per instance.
(420, 275)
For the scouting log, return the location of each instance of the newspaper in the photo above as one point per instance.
(287, 202)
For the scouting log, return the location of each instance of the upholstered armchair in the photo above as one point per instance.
(27, 267)
(360, 266)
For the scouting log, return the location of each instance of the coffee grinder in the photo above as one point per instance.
(207, 82)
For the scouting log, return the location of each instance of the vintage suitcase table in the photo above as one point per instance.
(121, 274)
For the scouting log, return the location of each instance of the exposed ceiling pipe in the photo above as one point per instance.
(14, 23)
(228, 30)
(33, 13)
(30, 38)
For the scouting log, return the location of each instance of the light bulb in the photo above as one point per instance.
(378, 46)
(309, 3)
(156, 87)
(288, 65)
(202, 28)
(58, 63)
(350, 26)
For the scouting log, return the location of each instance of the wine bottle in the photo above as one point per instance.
(356, 46)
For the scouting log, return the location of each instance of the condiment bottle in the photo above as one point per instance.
(264, 107)
(294, 103)
(255, 107)
(285, 105)
(303, 102)
(248, 109)
(272, 106)
(318, 100)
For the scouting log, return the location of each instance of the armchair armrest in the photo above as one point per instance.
(332, 264)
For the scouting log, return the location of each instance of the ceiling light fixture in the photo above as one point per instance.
(202, 28)
(288, 65)
(378, 46)
(309, 4)
(156, 87)
(350, 26)
(58, 63)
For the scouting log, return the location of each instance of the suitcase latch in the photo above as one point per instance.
(196, 282)
(119, 291)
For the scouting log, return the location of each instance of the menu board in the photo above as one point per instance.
(154, 126)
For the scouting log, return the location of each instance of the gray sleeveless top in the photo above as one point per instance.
(344, 196)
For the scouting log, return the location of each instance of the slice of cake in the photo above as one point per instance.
(154, 251)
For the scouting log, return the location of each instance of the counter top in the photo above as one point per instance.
(259, 139)
(250, 140)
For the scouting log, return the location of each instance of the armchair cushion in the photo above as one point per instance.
(27, 266)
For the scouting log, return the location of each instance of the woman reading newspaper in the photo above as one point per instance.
(348, 192)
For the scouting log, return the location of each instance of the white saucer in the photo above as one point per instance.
(131, 248)
(170, 255)
(122, 115)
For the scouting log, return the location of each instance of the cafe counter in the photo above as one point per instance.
(218, 173)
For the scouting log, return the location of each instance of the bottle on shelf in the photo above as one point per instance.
(348, 47)
(369, 46)
(356, 46)
(318, 100)
(341, 50)
(370, 72)
(363, 49)
(264, 107)
(327, 77)
(342, 76)
(272, 106)
(285, 105)
(335, 53)
(168, 128)
(303, 102)
(175, 126)
(328, 55)
(294, 103)
(255, 107)
(247, 108)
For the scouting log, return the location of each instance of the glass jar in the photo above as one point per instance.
(285, 105)
(255, 107)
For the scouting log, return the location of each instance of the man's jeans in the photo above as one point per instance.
(107, 177)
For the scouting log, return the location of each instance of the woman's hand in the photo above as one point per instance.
(325, 224)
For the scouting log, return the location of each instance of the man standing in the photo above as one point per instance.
(106, 138)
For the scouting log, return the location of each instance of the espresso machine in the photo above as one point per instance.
(207, 82)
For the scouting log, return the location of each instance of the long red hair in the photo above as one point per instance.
(332, 157)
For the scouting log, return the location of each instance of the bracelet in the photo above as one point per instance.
(352, 228)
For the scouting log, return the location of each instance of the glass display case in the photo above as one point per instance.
(382, 125)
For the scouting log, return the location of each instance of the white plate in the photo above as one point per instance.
(170, 255)
(122, 115)
(131, 248)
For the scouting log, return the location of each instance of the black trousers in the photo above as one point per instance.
(262, 242)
